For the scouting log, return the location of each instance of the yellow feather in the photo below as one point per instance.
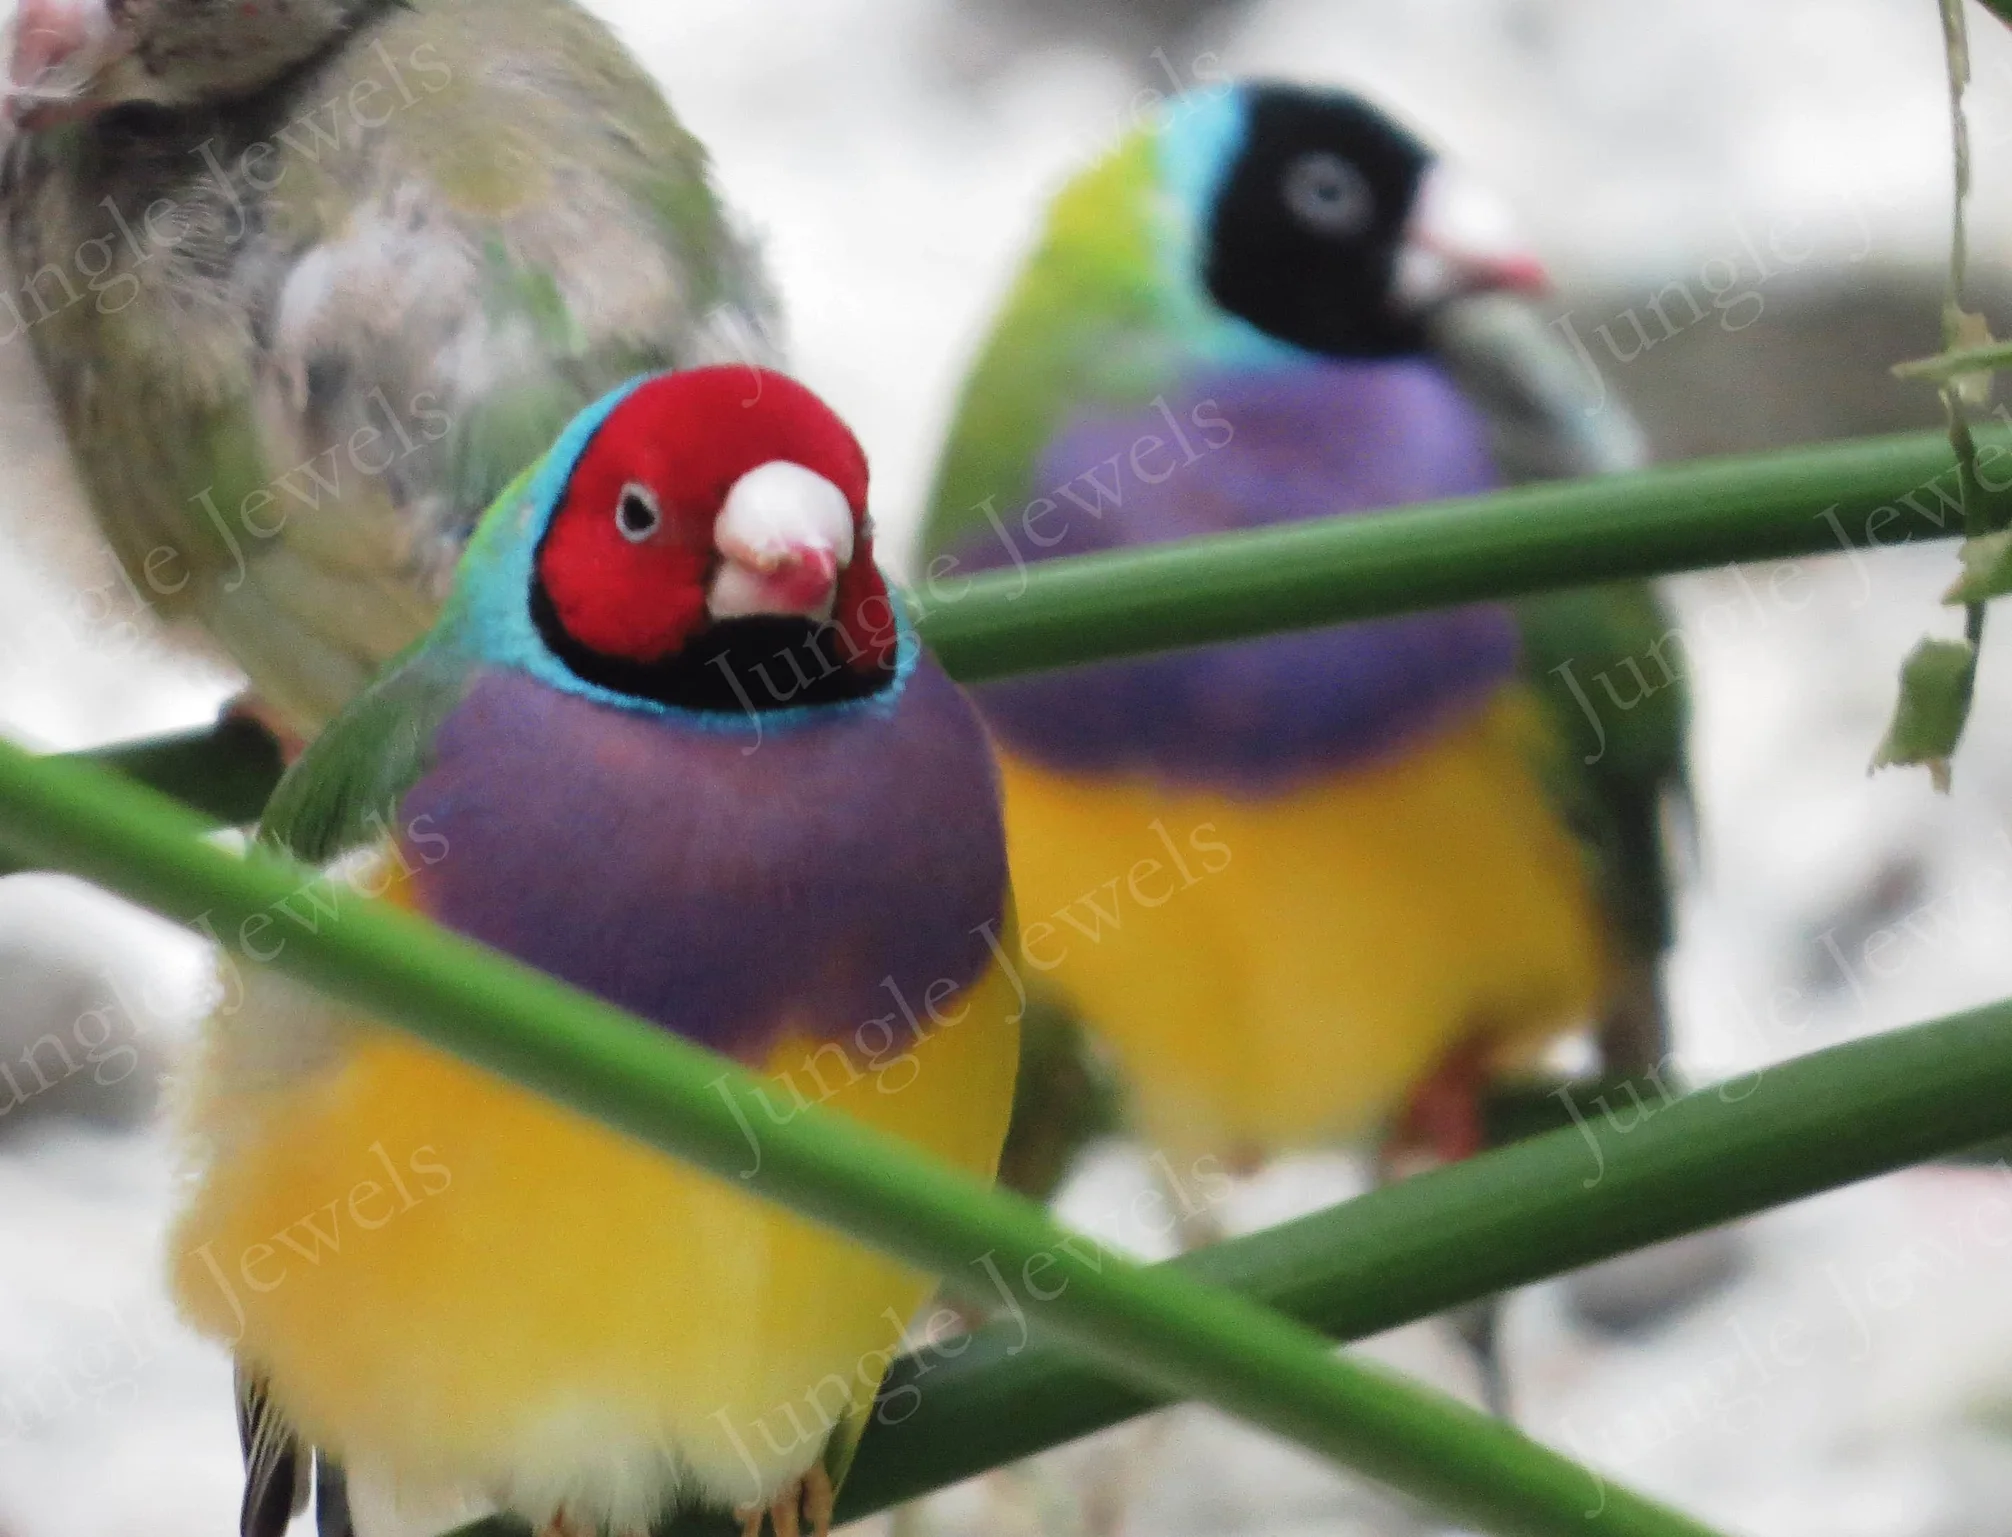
(1278, 971)
(525, 1304)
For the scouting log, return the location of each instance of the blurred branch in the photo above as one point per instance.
(1631, 1169)
(1681, 517)
(1634, 1169)
(223, 772)
(1945, 366)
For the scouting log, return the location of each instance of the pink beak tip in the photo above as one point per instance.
(805, 575)
(1522, 275)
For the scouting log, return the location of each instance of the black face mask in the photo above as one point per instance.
(1304, 237)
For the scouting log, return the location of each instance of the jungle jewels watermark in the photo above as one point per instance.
(1727, 288)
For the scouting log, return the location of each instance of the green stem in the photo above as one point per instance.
(225, 772)
(1514, 543)
(1950, 365)
(1505, 1219)
(1806, 501)
(1499, 1221)
(1962, 440)
(1154, 1327)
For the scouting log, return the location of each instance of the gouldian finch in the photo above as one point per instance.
(1317, 886)
(671, 741)
(312, 280)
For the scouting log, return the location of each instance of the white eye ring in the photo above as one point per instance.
(1328, 194)
(637, 515)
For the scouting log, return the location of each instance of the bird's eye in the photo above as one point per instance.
(636, 514)
(1327, 194)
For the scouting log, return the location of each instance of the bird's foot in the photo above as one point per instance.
(1246, 1158)
(1443, 1121)
(810, 1498)
(563, 1525)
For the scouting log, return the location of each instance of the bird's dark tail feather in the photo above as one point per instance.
(331, 1499)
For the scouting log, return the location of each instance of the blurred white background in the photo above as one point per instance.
(1857, 1376)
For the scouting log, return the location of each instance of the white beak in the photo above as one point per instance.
(1461, 240)
(784, 534)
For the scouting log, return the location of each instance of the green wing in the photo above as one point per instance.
(1083, 322)
(344, 791)
(1605, 662)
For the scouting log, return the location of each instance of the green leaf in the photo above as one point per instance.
(1987, 569)
(1935, 686)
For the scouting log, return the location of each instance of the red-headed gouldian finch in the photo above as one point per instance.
(312, 280)
(671, 741)
(1314, 886)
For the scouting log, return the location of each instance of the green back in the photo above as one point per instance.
(1082, 322)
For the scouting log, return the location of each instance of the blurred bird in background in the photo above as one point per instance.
(1317, 886)
(544, 1315)
(312, 280)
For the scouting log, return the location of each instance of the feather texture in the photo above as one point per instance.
(277, 1467)
(1419, 844)
(334, 318)
(461, 1291)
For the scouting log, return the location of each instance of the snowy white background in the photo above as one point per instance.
(1857, 1377)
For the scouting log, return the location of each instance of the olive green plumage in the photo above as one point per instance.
(301, 337)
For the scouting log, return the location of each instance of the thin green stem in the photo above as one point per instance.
(1962, 441)
(1951, 365)
(1658, 1167)
(226, 771)
(1871, 494)
(1859, 497)
(1156, 1328)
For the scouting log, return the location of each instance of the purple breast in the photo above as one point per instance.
(1243, 450)
(821, 879)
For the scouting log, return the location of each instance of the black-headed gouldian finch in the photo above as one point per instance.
(1314, 886)
(673, 742)
(312, 280)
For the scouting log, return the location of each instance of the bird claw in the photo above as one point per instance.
(810, 1497)
(563, 1525)
(1443, 1121)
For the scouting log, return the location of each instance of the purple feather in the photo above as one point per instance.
(1243, 450)
(822, 878)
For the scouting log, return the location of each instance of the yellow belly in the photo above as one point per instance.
(1274, 972)
(461, 1287)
